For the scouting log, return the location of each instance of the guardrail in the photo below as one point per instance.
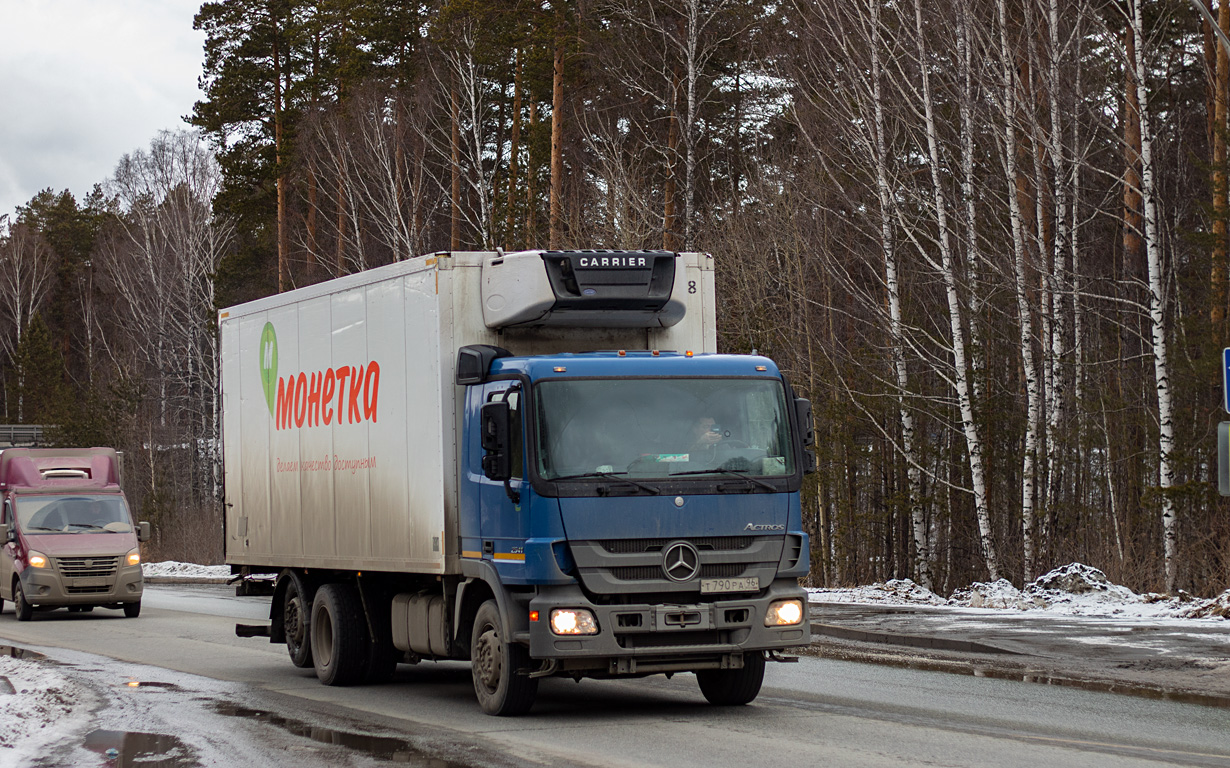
(15, 435)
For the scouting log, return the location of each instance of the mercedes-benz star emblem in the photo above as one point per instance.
(681, 561)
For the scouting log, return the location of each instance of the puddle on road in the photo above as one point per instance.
(147, 750)
(20, 653)
(1033, 676)
(379, 747)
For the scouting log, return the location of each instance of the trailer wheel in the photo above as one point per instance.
(339, 635)
(497, 666)
(23, 609)
(732, 687)
(297, 619)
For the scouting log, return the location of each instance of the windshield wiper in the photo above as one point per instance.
(610, 476)
(736, 473)
(87, 525)
(41, 528)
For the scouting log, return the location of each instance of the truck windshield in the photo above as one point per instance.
(662, 428)
(95, 513)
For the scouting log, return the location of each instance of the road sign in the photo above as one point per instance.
(1225, 379)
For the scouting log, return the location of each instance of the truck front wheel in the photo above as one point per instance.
(296, 618)
(498, 666)
(732, 687)
(339, 635)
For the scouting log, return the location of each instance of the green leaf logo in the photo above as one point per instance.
(269, 364)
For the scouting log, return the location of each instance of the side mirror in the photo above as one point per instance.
(807, 433)
(802, 408)
(143, 532)
(5, 534)
(496, 426)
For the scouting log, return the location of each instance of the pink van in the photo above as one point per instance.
(68, 537)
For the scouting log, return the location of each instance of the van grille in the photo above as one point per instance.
(88, 590)
(81, 567)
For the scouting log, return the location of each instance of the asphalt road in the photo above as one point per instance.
(818, 711)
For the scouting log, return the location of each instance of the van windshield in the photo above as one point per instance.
(662, 428)
(79, 513)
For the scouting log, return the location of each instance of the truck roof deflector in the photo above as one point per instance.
(474, 361)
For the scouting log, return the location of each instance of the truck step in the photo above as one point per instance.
(252, 630)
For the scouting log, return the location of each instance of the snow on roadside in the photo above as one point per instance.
(43, 708)
(173, 569)
(1071, 590)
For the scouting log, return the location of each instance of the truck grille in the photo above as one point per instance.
(80, 567)
(654, 572)
(632, 566)
(630, 546)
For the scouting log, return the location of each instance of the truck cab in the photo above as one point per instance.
(641, 506)
(69, 540)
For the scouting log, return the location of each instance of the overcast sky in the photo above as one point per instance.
(83, 82)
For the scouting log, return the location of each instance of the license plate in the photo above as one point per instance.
(100, 581)
(746, 584)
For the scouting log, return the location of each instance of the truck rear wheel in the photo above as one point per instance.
(297, 619)
(732, 687)
(339, 635)
(497, 666)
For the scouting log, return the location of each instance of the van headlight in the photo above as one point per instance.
(37, 560)
(784, 613)
(134, 557)
(573, 621)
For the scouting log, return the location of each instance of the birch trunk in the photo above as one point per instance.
(922, 553)
(961, 371)
(1024, 312)
(1157, 308)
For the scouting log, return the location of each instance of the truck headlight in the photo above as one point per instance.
(134, 557)
(37, 560)
(784, 613)
(573, 621)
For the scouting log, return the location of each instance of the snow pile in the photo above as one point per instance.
(1209, 609)
(172, 569)
(1082, 588)
(1072, 590)
(996, 594)
(894, 592)
(42, 707)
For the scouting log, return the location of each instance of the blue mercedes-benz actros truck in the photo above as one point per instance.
(533, 461)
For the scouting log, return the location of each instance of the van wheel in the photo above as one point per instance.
(132, 610)
(732, 687)
(498, 667)
(339, 635)
(297, 619)
(23, 609)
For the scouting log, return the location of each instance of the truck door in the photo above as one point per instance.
(8, 551)
(502, 523)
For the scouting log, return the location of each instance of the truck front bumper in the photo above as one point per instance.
(647, 638)
(45, 587)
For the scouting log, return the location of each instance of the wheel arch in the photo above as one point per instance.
(482, 583)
